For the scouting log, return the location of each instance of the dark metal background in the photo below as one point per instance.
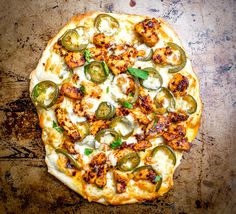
(205, 181)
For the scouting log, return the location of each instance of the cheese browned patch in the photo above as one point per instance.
(118, 103)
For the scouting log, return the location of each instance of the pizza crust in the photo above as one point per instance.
(75, 182)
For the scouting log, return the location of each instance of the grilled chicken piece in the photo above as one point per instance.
(128, 82)
(101, 40)
(98, 53)
(98, 159)
(174, 132)
(145, 173)
(74, 59)
(175, 137)
(98, 125)
(145, 102)
(70, 128)
(178, 84)
(157, 127)
(176, 117)
(98, 170)
(121, 180)
(160, 55)
(71, 91)
(141, 145)
(92, 89)
(69, 147)
(180, 144)
(121, 62)
(122, 111)
(139, 116)
(148, 30)
(57, 48)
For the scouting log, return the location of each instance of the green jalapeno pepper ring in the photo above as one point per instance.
(183, 58)
(70, 157)
(152, 71)
(39, 91)
(133, 157)
(105, 111)
(68, 41)
(167, 150)
(192, 102)
(113, 22)
(168, 95)
(126, 122)
(95, 72)
(104, 132)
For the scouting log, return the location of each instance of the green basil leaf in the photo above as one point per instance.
(157, 178)
(56, 127)
(116, 144)
(127, 104)
(88, 151)
(138, 73)
(107, 70)
(87, 55)
(107, 90)
(82, 88)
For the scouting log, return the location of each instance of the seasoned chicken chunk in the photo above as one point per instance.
(160, 55)
(157, 127)
(139, 116)
(69, 146)
(174, 132)
(101, 40)
(178, 84)
(59, 49)
(98, 170)
(148, 30)
(98, 125)
(70, 128)
(121, 180)
(121, 62)
(74, 59)
(71, 91)
(145, 173)
(142, 145)
(180, 144)
(176, 117)
(98, 53)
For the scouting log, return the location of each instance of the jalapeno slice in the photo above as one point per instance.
(111, 135)
(83, 128)
(183, 58)
(105, 110)
(129, 162)
(95, 72)
(168, 150)
(147, 58)
(159, 182)
(191, 103)
(70, 157)
(45, 94)
(110, 21)
(120, 124)
(154, 80)
(70, 41)
(164, 100)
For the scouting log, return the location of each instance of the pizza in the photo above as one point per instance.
(118, 104)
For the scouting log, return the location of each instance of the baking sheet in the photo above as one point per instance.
(205, 181)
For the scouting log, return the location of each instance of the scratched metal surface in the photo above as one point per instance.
(205, 181)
